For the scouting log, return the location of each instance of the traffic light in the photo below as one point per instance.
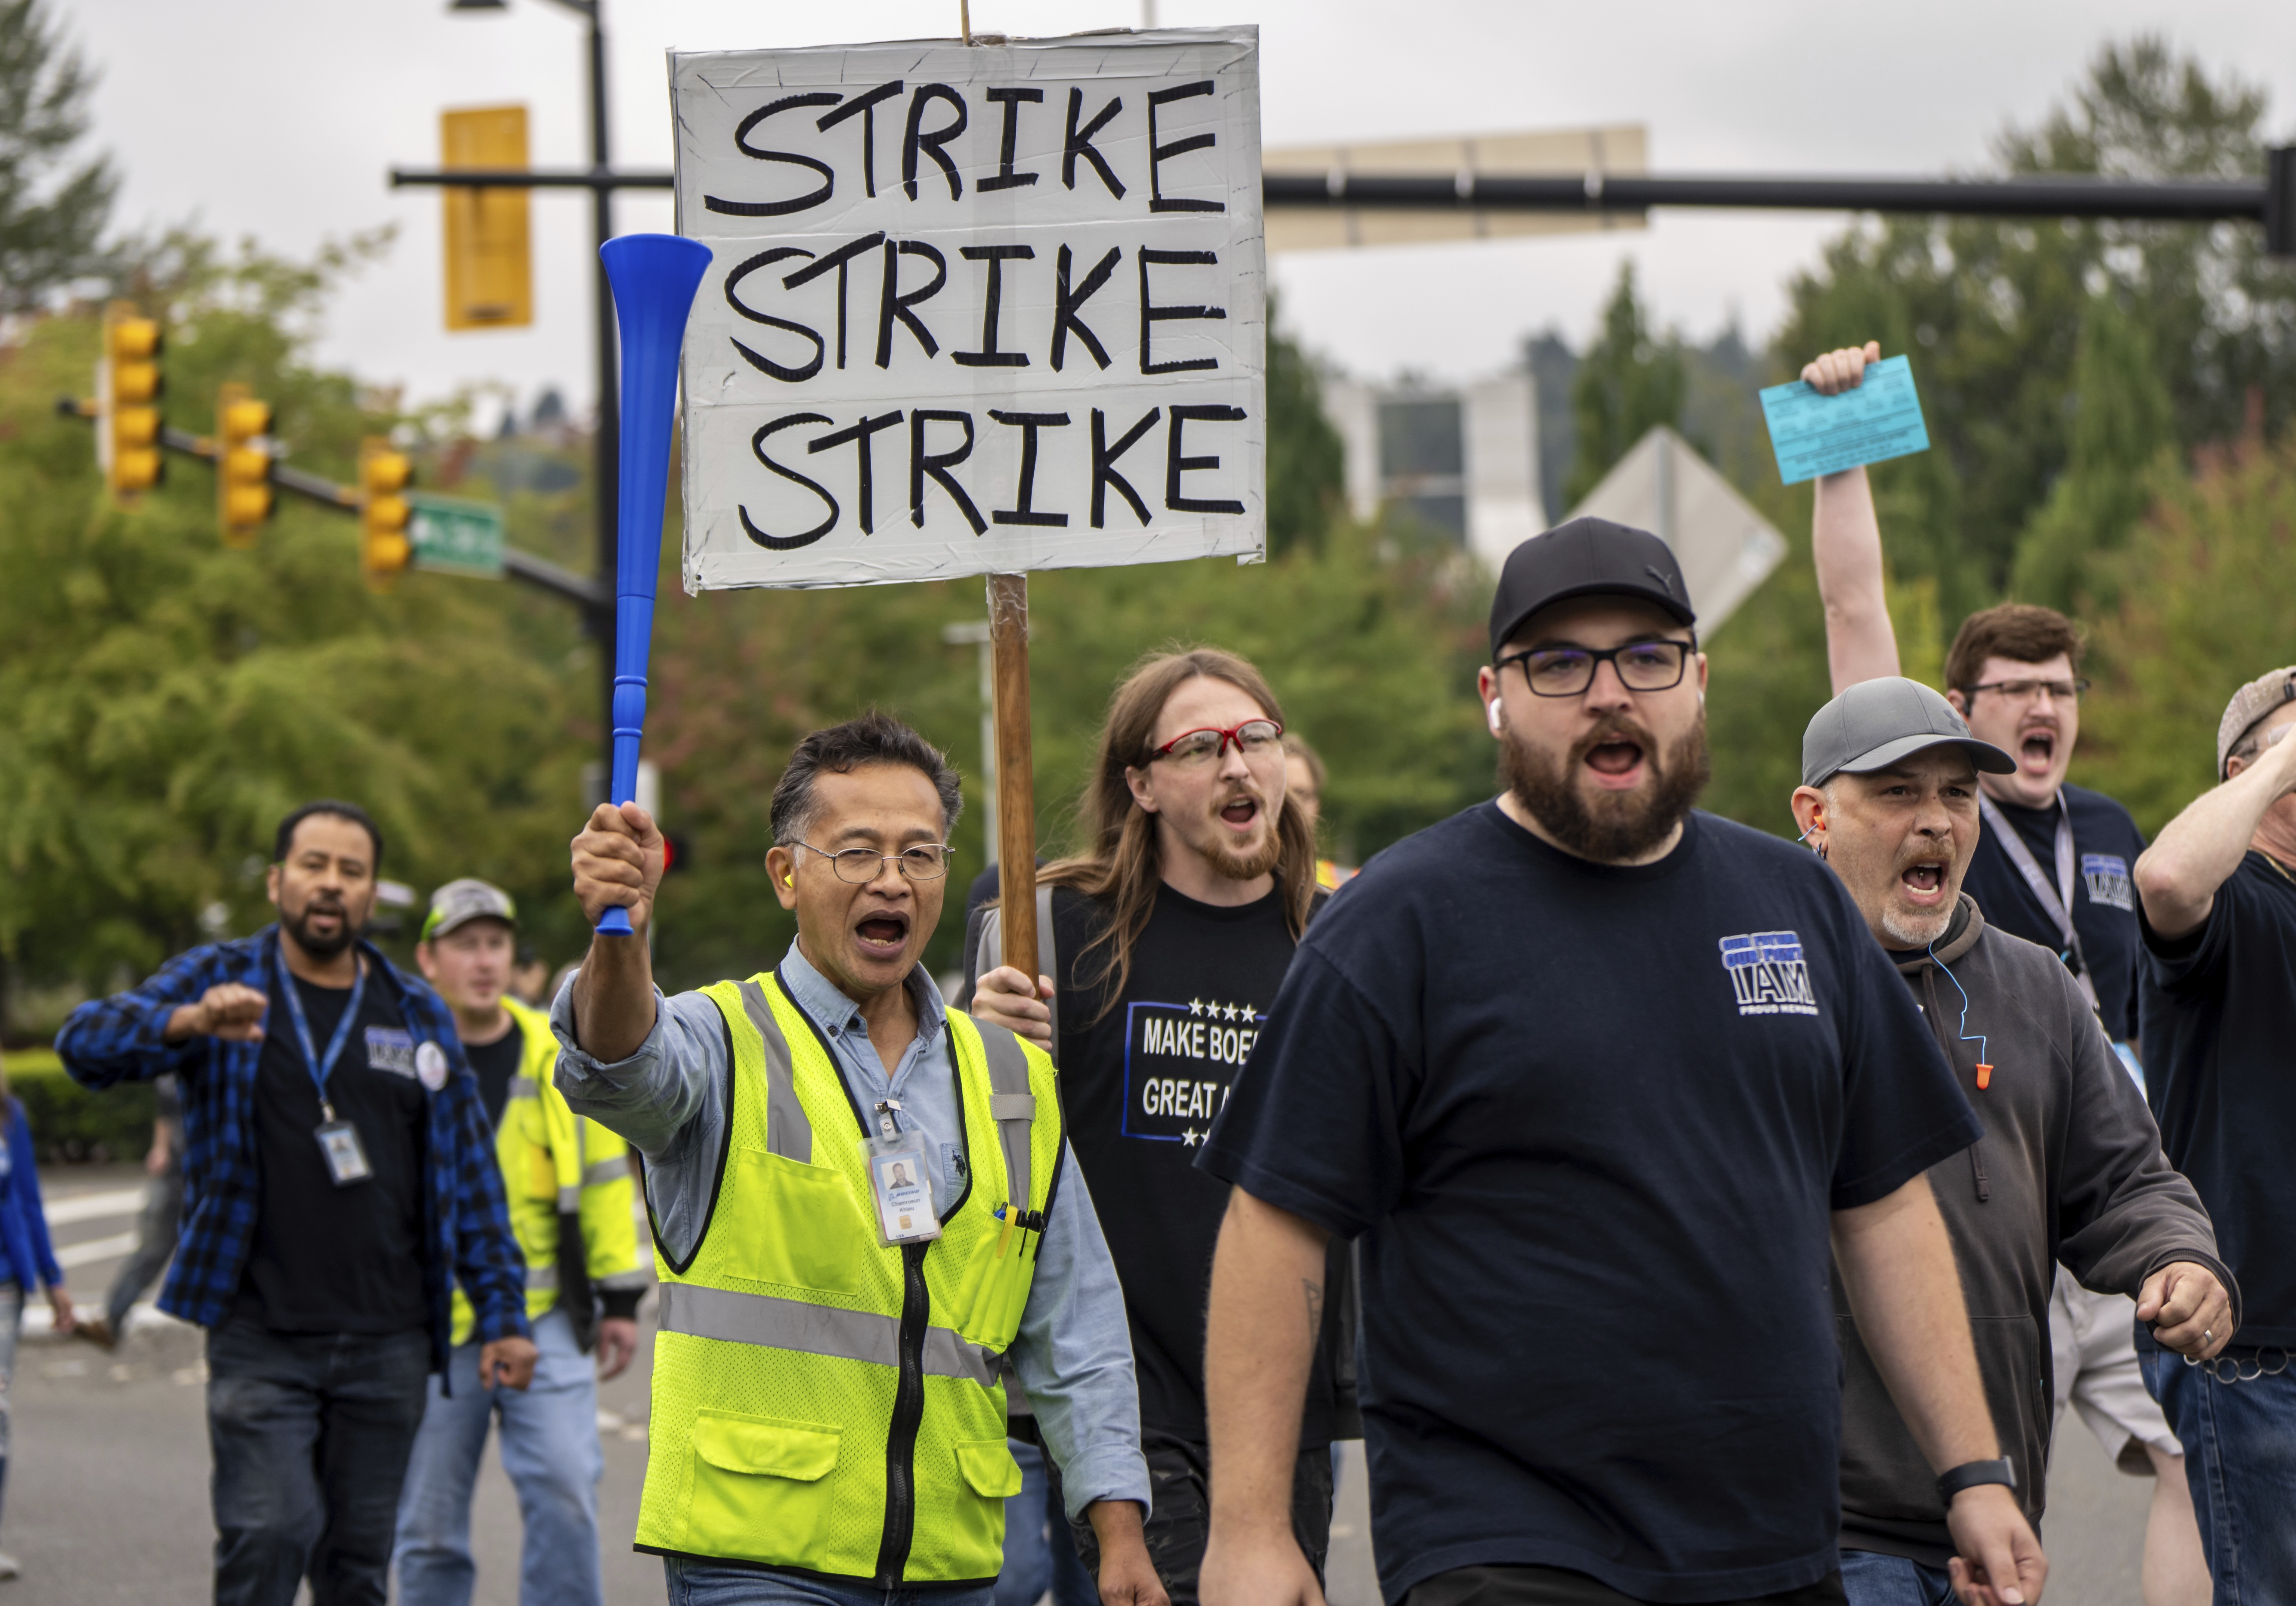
(242, 464)
(127, 404)
(385, 548)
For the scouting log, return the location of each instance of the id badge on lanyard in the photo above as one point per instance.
(900, 1184)
(337, 1139)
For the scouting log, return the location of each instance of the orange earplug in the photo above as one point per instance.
(1984, 1076)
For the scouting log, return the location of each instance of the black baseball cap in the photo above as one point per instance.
(1586, 557)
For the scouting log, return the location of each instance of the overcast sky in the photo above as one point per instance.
(278, 118)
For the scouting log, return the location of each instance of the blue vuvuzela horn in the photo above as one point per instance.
(653, 278)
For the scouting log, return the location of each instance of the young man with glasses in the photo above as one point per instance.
(863, 1203)
(1600, 1085)
(2053, 865)
(1171, 934)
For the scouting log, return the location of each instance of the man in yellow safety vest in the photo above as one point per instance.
(862, 1203)
(568, 1183)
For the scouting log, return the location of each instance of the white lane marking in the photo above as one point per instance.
(93, 1207)
(95, 1250)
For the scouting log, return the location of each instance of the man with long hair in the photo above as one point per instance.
(1599, 1083)
(1172, 932)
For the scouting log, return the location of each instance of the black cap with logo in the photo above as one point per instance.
(1586, 557)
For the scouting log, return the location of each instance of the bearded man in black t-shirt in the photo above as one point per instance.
(1171, 936)
(1595, 1082)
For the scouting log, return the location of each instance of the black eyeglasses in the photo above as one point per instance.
(926, 862)
(2025, 690)
(1654, 666)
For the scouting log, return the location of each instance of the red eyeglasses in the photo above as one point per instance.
(1254, 739)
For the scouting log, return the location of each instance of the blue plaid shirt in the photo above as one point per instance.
(466, 1227)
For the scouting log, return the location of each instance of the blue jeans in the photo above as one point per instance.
(1039, 1551)
(1870, 1579)
(2240, 1459)
(310, 1434)
(549, 1448)
(714, 1584)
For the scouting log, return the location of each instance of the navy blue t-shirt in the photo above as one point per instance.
(2219, 1048)
(1590, 1124)
(2106, 844)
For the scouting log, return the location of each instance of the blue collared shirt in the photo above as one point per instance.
(1073, 1354)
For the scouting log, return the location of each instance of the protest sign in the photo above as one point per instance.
(1816, 434)
(972, 309)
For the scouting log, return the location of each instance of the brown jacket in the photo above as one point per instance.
(2069, 1169)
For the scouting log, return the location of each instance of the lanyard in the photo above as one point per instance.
(2056, 901)
(320, 1069)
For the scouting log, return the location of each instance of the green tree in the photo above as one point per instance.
(2123, 433)
(1307, 466)
(2207, 587)
(164, 700)
(1630, 379)
(1992, 313)
(52, 211)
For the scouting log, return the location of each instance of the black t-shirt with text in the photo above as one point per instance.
(1140, 1084)
(1589, 1125)
(496, 1064)
(328, 1258)
(2220, 1050)
(2106, 844)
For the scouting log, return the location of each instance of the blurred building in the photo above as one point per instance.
(1464, 461)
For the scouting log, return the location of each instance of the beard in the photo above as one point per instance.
(1248, 864)
(1911, 931)
(1614, 827)
(299, 926)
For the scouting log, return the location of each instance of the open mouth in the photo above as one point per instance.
(883, 933)
(2037, 750)
(1614, 756)
(1241, 812)
(1925, 882)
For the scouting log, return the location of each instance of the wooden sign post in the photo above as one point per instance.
(1016, 803)
(974, 310)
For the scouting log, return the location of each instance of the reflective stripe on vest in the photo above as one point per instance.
(734, 1317)
(1012, 1106)
(788, 1132)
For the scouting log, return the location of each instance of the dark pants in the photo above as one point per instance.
(1180, 1519)
(1557, 1586)
(310, 1435)
(155, 1243)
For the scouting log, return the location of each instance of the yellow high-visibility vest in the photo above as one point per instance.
(823, 1403)
(554, 1161)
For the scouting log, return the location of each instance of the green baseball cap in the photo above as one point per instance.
(460, 902)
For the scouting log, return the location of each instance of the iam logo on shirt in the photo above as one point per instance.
(1179, 1061)
(388, 1048)
(1769, 974)
(2107, 876)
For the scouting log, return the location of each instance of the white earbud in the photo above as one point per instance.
(1492, 714)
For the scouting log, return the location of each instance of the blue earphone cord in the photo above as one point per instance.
(1979, 1039)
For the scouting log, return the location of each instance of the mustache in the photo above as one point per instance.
(1613, 727)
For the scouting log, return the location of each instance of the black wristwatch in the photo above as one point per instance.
(1969, 1474)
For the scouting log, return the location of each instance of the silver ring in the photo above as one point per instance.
(2207, 1337)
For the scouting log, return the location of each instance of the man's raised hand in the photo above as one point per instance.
(1003, 998)
(618, 862)
(226, 1010)
(1842, 370)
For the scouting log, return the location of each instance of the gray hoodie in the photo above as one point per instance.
(2069, 1169)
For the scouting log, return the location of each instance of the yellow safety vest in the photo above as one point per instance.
(822, 1403)
(554, 1161)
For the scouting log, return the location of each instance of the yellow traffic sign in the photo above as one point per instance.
(490, 263)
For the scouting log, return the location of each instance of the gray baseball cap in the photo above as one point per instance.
(459, 903)
(1875, 723)
(2249, 707)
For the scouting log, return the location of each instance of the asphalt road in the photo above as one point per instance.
(107, 1492)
